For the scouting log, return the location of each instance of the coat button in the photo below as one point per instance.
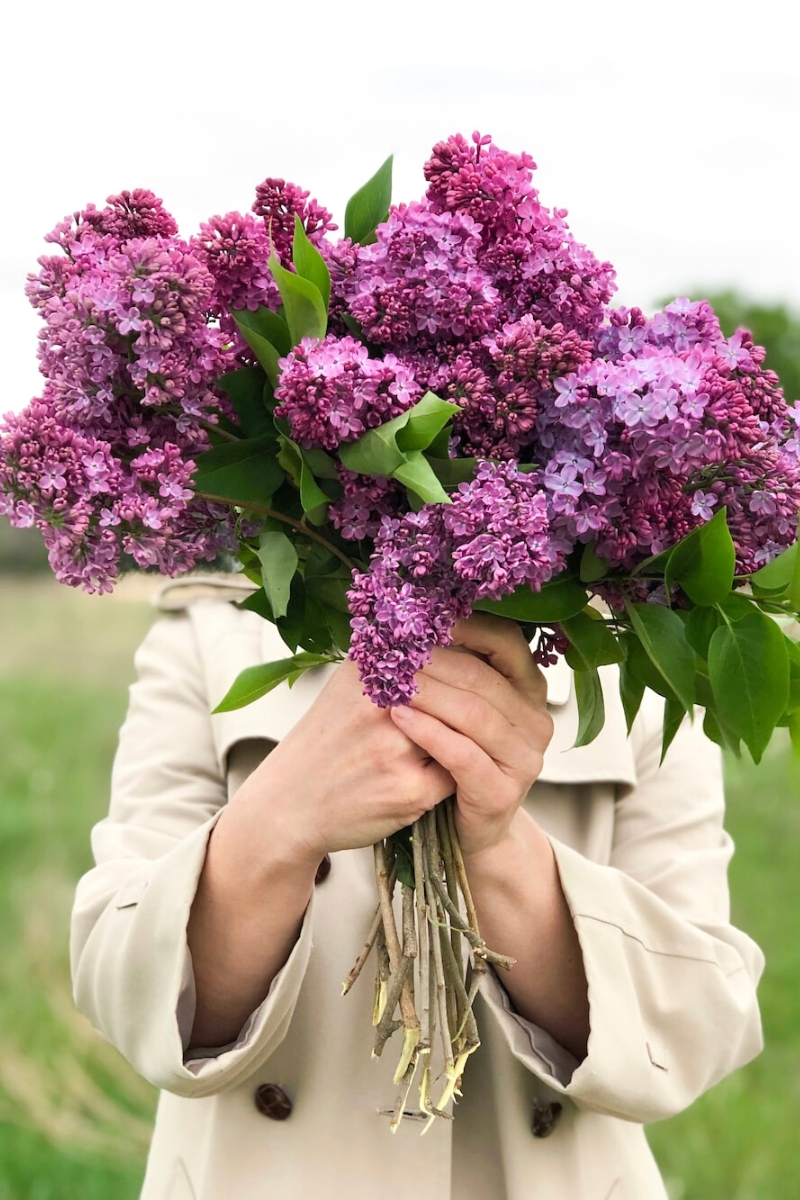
(545, 1118)
(323, 870)
(273, 1102)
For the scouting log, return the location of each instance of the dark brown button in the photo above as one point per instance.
(323, 870)
(273, 1102)
(545, 1118)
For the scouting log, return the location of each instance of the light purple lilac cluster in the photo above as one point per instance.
(431, 566)
(102, 461)
(667, 423)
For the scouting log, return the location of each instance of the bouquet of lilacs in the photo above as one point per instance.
(435, 413)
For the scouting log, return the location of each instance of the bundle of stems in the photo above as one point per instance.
(425, 982)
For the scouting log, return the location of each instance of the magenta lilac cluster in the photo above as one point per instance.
(430, 567)
(235, 249)
(333, 391)
(101, 462)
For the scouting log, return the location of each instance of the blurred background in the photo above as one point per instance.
(670, 133)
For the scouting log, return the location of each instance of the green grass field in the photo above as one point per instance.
(74, 1120)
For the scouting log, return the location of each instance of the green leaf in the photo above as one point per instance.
(558, 600)
(306, 311)
(309, 263)
(777, 574)
(673, 719)
(320, 463)
(748, 666)
(452, 471)
(591, 707)
(592, 644)
(593, 567)
(266, 354)
(794, 582)
(631, 691)
(661, 633)
(736, 606)
(245, 390)
(714, 732)
(417, 475)
(703, 562)
(400, 843)
(267, 324)
(382, 450)
(419, 425)
(254, 682)
(293, 459)
(794, 731)
(369, 206)
(241, 471)
(700, 624)
(278, 565)
(258, 603)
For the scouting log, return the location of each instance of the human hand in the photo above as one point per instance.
(482, 715)
(344, 777)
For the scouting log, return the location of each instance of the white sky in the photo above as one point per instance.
(670, 131)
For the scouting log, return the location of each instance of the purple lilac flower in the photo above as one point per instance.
(365, 500)
(332, 391)
(674, 421)
(90, 505)
(102, 461)
(430, 567)
(278, 203)
(498, 382)
(420, 283)
(533, 260)
(235, 250)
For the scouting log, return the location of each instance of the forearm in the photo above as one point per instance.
(245, 919)
(523, 913)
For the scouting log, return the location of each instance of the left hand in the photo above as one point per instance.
(482, 715)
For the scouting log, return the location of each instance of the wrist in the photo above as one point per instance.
(262, 842)
(521, 854)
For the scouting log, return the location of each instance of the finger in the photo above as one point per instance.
(502, 643)
(473, 716)
(465, 671)
(470, 767)
(461, 669)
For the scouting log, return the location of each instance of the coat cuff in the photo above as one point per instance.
(672, 1006)
(142, 997)
(532, 1044)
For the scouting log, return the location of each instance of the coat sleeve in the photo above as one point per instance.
(671, 983)
(131, 964)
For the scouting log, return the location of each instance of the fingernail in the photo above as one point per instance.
(401, 712)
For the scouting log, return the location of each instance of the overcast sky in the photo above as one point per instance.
(670, 131)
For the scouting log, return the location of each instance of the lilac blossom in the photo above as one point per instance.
(689, 420)
(430, 567)
(102, 462)
(333, 391)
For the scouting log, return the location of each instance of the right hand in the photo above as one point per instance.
(343, 777)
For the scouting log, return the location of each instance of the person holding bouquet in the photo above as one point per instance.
(530, 555)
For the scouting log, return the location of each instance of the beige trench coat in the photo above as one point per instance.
(642, 857)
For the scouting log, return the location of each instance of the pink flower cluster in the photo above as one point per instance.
(235, 249)
(430, 567)
(102, 461)
(333, 391)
